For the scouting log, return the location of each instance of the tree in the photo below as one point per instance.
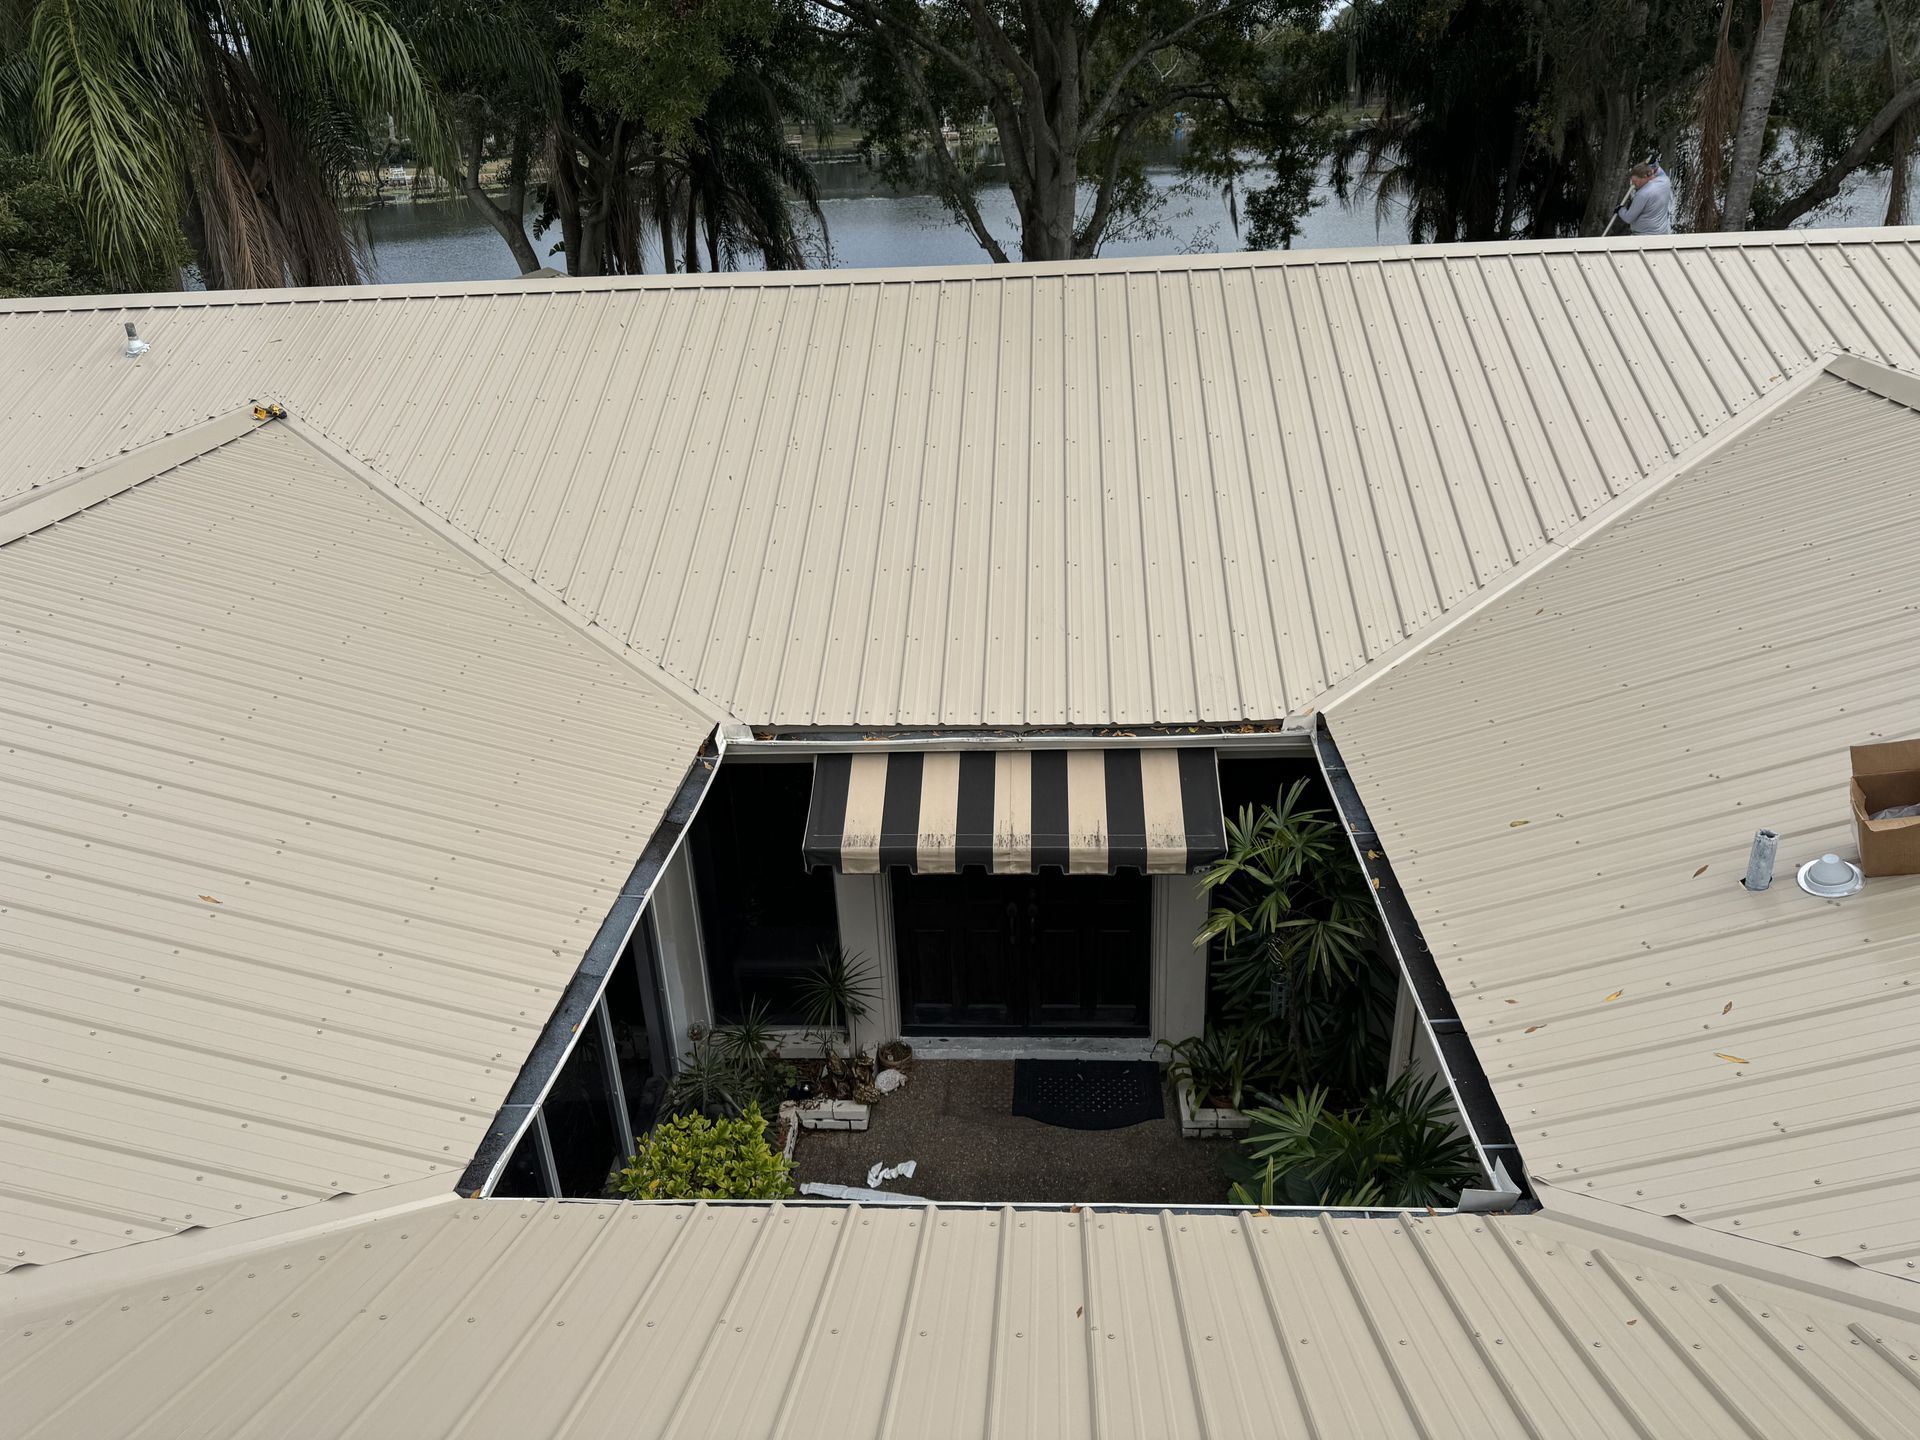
(1763, 73)
(492, 67)
(629, 119)
(243, 121)
(1619, 78)
(1456, 138)
(1074, 90)
(1848, 102)
(1496, 118)
(745, 176)
(1500, 118)
(43, 247)
(709, 91)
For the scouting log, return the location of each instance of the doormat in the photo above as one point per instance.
(1087, 1094)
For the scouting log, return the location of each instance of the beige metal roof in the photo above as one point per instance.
(306, 817)
(310, 812)
(1143, 490)
(1567, 786)
(525, 1319)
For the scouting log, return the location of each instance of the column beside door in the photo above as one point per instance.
(1179, 966)
(864, 904)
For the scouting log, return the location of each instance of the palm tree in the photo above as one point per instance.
(243, 122)
(741, 169)
(1458, 138)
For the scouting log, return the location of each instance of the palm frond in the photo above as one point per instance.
(107, 122)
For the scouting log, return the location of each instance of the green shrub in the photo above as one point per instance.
(43, 245)
(1221, 1065)
(692, 1157)
(1399, 1147)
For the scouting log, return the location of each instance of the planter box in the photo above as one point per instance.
(1202, 1123)
(833, 1115)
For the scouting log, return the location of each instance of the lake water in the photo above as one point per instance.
(445, 240)
(434, 240)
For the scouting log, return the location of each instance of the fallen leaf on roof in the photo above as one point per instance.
(1726, 1008)
(1614, 996)
(1530, 1029)
(1633, 1322)
(1731, 1059)
(1376, 882)
(1078, 1311)
(1516, 824)
(1513, 1002)
(211, 901)
(1701, 871)
(1373, 854)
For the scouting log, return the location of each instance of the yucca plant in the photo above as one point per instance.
(837, 992)
(833, 996)
(750, 1040)
(709, 1082)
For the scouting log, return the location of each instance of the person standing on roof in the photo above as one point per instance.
(1649, 209)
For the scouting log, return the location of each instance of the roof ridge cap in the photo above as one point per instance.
(80, 489)
(964, 271)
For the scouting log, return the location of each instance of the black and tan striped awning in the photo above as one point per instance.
(1087, 812)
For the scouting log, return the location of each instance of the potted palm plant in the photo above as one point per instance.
(833, 997)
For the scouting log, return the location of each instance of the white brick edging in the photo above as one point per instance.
(831, 1114)
(1198, 1123)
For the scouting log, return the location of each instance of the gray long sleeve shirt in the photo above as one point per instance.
(1650, 210)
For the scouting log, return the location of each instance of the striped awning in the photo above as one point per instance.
(1087, 812)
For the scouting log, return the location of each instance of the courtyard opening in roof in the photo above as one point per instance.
(1042, 975)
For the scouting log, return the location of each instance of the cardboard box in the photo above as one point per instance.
(1885, 775)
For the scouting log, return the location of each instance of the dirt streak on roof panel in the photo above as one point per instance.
(903, 498)
(309, 817)
(540, 1319)
(1568, 785)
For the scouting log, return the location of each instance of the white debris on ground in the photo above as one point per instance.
(879, 1175)
(888, 1081)
(821, 1190)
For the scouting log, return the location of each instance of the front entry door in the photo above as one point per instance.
(1016, 954)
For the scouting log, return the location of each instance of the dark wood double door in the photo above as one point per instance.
(1023, 954)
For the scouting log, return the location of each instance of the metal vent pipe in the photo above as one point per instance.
(1766, 844)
